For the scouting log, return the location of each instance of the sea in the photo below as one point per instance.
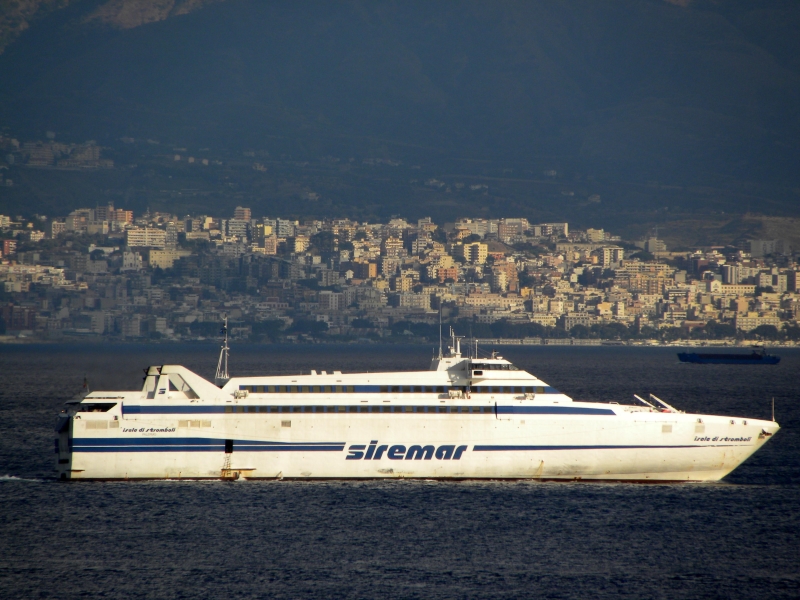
(739, 538)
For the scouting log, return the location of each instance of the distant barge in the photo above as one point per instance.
(754, 358)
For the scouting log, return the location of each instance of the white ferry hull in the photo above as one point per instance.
(462, 419)
(652, 447)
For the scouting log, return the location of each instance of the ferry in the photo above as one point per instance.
(464, 418)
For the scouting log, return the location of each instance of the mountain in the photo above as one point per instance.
(690, 93)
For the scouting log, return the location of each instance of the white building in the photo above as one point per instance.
(146, 237)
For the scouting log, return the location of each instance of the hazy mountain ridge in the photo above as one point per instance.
(635, 90)
(18, 15)
(127, 14)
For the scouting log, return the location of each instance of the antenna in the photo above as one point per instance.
(221, 378)
(773, 409)
(440, 331)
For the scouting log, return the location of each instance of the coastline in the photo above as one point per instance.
(8, 340)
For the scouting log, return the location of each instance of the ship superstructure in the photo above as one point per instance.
(464, 418)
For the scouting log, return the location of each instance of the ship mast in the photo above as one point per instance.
(221, 378)
(440, 331)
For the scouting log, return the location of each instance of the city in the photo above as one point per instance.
(104, 273)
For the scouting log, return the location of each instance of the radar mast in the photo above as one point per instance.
(222, 377)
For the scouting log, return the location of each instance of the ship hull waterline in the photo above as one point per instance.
(464, 418)
(633, 451)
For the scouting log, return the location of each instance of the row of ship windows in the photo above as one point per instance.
(388, 389)
(360, 409)
(494, 367)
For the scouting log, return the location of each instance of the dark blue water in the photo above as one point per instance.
(399, 539)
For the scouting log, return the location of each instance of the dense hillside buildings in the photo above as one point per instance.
(100, 272)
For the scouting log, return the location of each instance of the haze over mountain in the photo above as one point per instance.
(677, 92)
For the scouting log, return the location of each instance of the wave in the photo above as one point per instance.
(15, 478)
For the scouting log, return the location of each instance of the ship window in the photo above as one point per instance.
(315, 389)
(97, 407)
(252, 409)
(228, 409)
(305, 389)
(350, 388)
(327, 389)
(383, 389)
(342, 408)
(477, 372)
(263, 409)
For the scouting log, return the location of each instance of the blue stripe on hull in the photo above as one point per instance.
(197, 445)
(206, 449)
(609, 447)
(314, 409)
(552, 410)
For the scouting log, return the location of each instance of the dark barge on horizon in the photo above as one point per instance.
(707, 358)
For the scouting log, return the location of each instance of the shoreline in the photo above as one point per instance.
(6, 340)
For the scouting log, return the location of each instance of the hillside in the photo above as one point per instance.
(634, 92)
